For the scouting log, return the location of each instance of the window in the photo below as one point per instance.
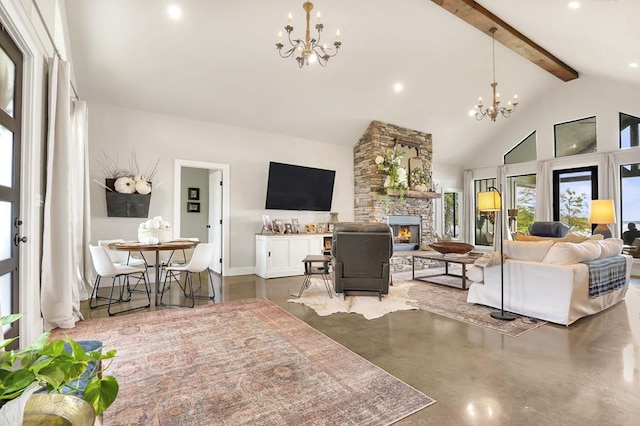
(451, 205)
(629, 131)
(573, 190)
(484, 220)
(524, 151)
(521, 202)
(629, 190)
(575, 137)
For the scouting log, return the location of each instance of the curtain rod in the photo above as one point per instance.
(53, 43)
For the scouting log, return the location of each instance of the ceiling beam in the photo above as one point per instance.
(476, 15)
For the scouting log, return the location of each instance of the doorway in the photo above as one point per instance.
(212, 195)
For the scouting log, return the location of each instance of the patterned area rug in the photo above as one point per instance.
(239, 363)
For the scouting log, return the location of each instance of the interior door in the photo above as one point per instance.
(10, 153)
(215, 219)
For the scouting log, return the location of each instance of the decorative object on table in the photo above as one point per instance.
(288, 228)
(310, 228)
(495, 109)
(278, 226)
(47, 364)
(491, 200)
(333, 217)
(267, 226)
(295, 224)
(193, 207)
(321, 228)
(602, 214)
(155, 231)
(309, 50)
(193, 194)
(127, 191)
(449, 247)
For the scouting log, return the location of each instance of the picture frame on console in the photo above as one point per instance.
(321, 228)
(295, 224)
(288, 228)
(278, 226)
(310, 228)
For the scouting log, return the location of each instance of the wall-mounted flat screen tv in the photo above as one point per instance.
(293, 187)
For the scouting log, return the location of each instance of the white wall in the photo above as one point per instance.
(584, 97)
(116, 131)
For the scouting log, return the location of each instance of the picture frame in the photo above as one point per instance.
(295, 225)
(321, 228)
(288, 228)
(331, 226)
(193, 193)
(310, 228)
(267, 226)
(193, 207)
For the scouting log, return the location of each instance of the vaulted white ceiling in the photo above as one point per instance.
(219, 62)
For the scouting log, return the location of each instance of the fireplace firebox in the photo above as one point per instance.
(407, 231)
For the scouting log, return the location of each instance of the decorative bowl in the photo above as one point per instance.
(448, 247)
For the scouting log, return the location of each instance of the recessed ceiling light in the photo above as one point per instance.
(398, 87)
(634, 65)
(574, 5)
(174, 12)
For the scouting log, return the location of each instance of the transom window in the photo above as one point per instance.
(524, 151)
(629, 131)
(575, 137)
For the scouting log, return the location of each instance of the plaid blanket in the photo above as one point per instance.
(606, 275)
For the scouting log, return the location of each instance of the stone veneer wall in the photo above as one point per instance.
(370, 205)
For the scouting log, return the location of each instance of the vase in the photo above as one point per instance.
(333, 217)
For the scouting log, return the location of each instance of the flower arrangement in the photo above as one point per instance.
(127, 181)
(389, 164)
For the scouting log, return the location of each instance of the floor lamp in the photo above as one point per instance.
(491, 201)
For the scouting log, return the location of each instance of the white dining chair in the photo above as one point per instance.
(182, 257)
(200, 261)
(106, 268)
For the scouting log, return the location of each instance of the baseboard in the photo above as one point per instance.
(244, 270)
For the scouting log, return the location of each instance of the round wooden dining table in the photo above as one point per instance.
(138, 246)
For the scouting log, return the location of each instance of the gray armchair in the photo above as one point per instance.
(361, 253)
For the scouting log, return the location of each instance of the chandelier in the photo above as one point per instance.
(492, 111)
(309, 50)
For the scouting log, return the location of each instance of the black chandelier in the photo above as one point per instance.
(309, 50)
(495, 108)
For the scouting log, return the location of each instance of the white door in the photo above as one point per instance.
(10, 154)
(215, 219)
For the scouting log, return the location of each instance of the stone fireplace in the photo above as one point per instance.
(406, 232)
(372, 204)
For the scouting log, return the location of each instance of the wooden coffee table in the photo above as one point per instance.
(446, 259)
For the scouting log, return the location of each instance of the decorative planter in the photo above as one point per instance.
(126, 205)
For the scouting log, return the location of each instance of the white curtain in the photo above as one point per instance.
(65, 214)
(468, 207)
(612, 174)
(501, 218)
(544, 192)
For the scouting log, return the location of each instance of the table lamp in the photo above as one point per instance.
(602, 214)
(491, 201)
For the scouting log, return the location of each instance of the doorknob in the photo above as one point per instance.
(17, 240)
(209, 226)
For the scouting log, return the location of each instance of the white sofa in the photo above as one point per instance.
(551, 287)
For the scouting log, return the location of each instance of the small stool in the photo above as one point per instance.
(310, 269)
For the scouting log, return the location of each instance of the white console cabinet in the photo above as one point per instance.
(280, 255)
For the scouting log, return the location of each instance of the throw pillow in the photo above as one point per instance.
(569, 238)
(475, 274)
(488, 259)
(570, 253)
(533, 251)
(609, 247)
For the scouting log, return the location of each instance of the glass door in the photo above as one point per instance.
(10, 238)
(573, 190)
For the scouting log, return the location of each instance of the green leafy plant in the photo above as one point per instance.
(48, 364)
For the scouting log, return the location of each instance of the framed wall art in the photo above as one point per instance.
(193, 194)
(193, 207)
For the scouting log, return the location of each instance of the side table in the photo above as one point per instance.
(316, 265)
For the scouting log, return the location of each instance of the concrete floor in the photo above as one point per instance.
(585, 374)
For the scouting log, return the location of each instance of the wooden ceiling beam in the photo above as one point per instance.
(476, 15)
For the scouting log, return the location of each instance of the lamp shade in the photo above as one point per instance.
(602, 212)
(489, 201)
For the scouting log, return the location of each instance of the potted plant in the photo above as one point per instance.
(48, 365)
